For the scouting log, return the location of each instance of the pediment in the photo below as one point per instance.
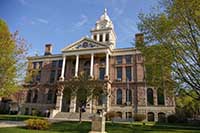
(84, 43)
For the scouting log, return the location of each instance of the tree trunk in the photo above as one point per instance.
(80, 115)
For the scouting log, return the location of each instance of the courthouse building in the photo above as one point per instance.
(121, 68)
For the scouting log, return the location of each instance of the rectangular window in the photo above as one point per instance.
(60, 62)
(119, 59)
(128, 73)
(40, 64)
(53, 65)
(38, 77)
(52, 76)
(119, 73)
(34, 65)
(101, 73)
(58, 74)
(128, 59)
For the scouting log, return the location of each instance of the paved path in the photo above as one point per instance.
(11, 123)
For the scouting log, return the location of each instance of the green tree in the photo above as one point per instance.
(186, 106)
(12, 52)
(177, 28)
(84, 89)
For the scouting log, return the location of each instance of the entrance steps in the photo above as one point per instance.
(73, 116)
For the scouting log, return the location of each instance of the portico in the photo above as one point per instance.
(91, 56)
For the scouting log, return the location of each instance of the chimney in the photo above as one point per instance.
(48, 49)
(139, 39)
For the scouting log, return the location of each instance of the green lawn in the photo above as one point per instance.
(17, 117)
(75, 127)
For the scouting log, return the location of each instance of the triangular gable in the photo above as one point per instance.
(84, 43)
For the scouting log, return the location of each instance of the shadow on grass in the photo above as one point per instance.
(83, 127)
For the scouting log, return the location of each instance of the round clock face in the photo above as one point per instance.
(103, 25)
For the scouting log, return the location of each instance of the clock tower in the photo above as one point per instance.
(104, 31)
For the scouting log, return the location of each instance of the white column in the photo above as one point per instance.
(63, 68)
(98, 37)
(73, 104)
(76, 67)
(91, 64)
(104, 37)
(107, 64)
(91, 106)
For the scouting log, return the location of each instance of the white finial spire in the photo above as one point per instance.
(105, 11)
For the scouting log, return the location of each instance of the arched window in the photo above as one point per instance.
(160, 96)
(119, 96)
(50, 96)
(128, 96)
(87, 68)
(161, 117)
(150, 116)
(35, 96)
(29, 95)
(119, 114)
(150, 96)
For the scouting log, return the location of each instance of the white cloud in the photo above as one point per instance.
(83, 20)
(41, 20)
(118, 6)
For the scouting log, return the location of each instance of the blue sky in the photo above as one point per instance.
(61, 22)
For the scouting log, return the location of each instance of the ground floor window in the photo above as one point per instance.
(161, 117)
(119, 114)
(150, 116)
(128, 115)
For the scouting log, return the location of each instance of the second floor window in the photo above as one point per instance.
(52, 76)
(34, 65)
(54, 64)
(101, 73)
(128, 73)
(38, 77)
(128, 59)
(119, 73)
(40, 64)
(58, 74)
(60, 62)
(119, 59)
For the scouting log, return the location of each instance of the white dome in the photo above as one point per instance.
(105, 16)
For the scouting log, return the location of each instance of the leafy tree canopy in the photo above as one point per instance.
(12, 52)
(176, 26)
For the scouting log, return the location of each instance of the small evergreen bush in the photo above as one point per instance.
(139, 117)
(172, 119)
(38, 124)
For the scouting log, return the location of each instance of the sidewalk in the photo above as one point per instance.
(11, 123)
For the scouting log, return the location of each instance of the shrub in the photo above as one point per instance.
(38, 124)
(172, 119)
(139, 117)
